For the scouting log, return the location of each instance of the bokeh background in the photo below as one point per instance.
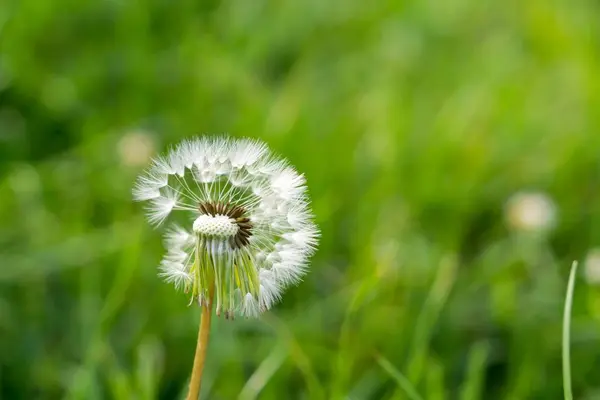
(452, 151)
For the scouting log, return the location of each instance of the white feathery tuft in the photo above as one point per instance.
(250, 306)
(246, 152)
(307, 238)
(288, 184)
(177, 237)
(148, 186)
(270, 289)
(175, 273)
(160, 207)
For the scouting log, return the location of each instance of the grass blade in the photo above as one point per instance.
(476, 367)
(400, 379)
(263, 374)
(566, 352)
(429, 316)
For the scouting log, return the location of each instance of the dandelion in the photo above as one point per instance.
(135, 148)
(530, 212)
(592, 266)
(241, 229)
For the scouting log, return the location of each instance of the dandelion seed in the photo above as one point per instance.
(243, 222)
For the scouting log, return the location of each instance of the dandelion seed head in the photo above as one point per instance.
(592, 267)
(530, 212)
(239, 216)
(135, 148)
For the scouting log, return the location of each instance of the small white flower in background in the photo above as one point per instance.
(243, 222)
(592, 267)
(530, 212)
(136, 148)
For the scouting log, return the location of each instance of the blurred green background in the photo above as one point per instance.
(452, 151)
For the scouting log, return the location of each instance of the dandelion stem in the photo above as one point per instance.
(202, 344)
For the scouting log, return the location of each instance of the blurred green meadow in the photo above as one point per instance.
(452, 152)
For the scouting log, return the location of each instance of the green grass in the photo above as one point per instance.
(414, 123)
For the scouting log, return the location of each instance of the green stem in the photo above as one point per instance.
(200, 356)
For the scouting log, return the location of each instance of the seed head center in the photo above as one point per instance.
(218, 225)
(236, 224)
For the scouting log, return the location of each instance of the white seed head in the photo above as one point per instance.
(530, 212)
(135, 148)
(249, 225)
(592, 267)
(219, 225)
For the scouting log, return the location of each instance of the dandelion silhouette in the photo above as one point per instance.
(245, 230)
